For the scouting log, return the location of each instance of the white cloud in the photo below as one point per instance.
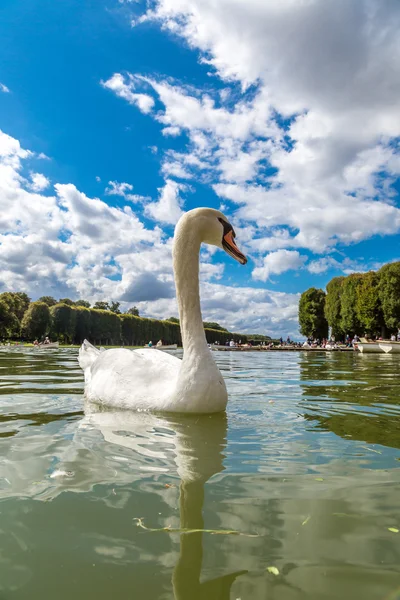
(73, 245)
(278, 262)
(331, 69)
(39, 182)
(117, 84)
(168, 208)
(122, 189)
(4, 88)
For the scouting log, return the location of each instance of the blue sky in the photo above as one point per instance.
(117, 116)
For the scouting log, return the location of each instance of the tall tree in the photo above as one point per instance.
(213, 325)
(312, 318)
(67, 301)
(114, 307)
(83, 303)
(9, 323)
(133, 311)
(101, 305)
(350, 322)
(389, 293)
(368, 305)
(49, 300)
(63, 320)
(36, 321)
(333, 306)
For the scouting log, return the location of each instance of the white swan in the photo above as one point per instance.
(148, 379)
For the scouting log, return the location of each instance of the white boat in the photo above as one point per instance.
(49, 346)
(369, 347)
(167, 347)
(389, 347)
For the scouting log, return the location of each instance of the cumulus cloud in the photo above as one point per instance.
(39, 182)
(168, 207)
(117, 85)
(279, 262)
(69, 244)
(307, 121)
(116, 188)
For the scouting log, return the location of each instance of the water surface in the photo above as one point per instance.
(304, 466)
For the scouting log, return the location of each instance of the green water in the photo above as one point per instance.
(305, 463)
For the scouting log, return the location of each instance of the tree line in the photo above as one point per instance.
(361, 303)
(72, 322)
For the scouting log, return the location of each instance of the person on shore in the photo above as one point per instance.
(36, 343)
(46, 340)
(150, 344)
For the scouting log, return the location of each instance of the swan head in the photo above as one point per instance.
(213, 228)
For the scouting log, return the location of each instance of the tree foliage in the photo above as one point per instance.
(312, 318)
(333, 306)
(212, 325)
(49, 300)
(83, 303)
(13, 308)
(36, 321)
(368, 304)
(101, 305)
(63, 320)
(133, 310)
(67, 301)
(350, 322)
(114, 307)
(389, 294)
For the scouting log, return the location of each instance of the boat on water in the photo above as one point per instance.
(159, 346)
(48, 346)
(379, 346)
(167, 347)
(368, 347)
(389, 347)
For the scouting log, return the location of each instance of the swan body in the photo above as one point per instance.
(147, 379)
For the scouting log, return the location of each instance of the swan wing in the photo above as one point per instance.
(136, 379)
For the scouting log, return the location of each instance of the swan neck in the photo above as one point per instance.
(186, 270)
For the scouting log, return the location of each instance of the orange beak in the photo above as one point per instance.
(230, 247)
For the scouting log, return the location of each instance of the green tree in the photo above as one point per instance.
(333, 306)
(9, 322)
(114, 307)
(350, 322)
(101, 305)
(311, 314)
(23, 304)
(82, 324)
(172, 320)
(63, 319)
(84, 303)
(105, 326)
(368, 305)
(17, 303)
(36, 321)
(212, 325)
(49, 300)
(133, 311)
(389, 293)
(66, 301)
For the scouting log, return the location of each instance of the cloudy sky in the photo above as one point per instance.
(116, 116)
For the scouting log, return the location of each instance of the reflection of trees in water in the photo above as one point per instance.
(337, 386)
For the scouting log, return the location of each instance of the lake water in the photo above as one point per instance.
(301, 475)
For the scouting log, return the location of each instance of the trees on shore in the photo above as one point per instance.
(72, 322)
(361, 303)
(312, 318)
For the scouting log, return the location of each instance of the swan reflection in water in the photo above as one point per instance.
(191, 446)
